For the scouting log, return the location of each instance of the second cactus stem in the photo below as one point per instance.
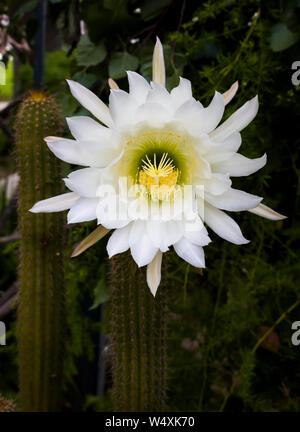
(40, 320)
(138, 336)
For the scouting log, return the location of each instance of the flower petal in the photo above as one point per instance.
(158, 64)
(181, 93)
(164, 233)
(91, 102)
(230, 144)
(90, 240)
(152, 113)
(196, 233)
(217, 184)
(211, 115)
(154, 273)
(118, 241)
(190, 252)
(142, 249)
(83, 210)
(55, 204)
(223, 225)
(84, 182)
(87, 129)
(238, 165)
(160, 95)
(229, 94)
(122, 107)
(138, 86)
(234, 200)
(237, 121)
(86, 153)
(266, 212)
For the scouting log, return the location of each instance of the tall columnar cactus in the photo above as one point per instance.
(138, 336)
(40, 321)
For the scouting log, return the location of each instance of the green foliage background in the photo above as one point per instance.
(220, 357)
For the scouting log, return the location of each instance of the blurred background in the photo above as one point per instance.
(230, 346)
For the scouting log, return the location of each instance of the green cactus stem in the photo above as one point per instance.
(40, 320)
(138, 337)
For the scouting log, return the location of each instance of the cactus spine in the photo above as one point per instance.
(40, 326)
(138, 336)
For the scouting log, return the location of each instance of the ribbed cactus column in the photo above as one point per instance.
(40, 321)
(138, 335)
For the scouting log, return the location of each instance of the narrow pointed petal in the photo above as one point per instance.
(138, 86)
(83, 210)
(122, 107)
(213, 113)
(230, 145)
(154, 273)
(91, 102)
(238, 165)
(223, 225)
(229, 94)
(55, 204)
(234, 200)
(87, 129)
(87, 153)
(266, 212)
(217, 184)
(118, 241)
(237, 121)
(112, 84)
(90, 240)
(158, 64)
(190, 252)
(181, 93)
(85, 181)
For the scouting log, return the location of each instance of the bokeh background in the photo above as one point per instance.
(230, 330)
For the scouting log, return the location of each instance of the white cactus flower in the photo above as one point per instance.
(158, 143)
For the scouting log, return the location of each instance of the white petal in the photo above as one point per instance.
(238, 165)
(55, 204)
(154, 273)
(159, 94)
(230, 144)
(266, 212)
(86, 153)
(234, 200)
(152, 113)
(223, 225)
(118, 241)
(83, 210)
(91, 102)
(216, 185)
(190, 252)
(196, 233)
(158, 64)
(237, 121)
(229, 94)
(84, 182)
(142, 249)
(211, 116)
(122, 107)
(164, 234)
(138, 86)
(87, 129)
(181, 93)
(109, 211)
(190, 114)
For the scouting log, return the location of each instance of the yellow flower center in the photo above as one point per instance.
(160, 180)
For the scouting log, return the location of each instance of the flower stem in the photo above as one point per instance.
(138, 335)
